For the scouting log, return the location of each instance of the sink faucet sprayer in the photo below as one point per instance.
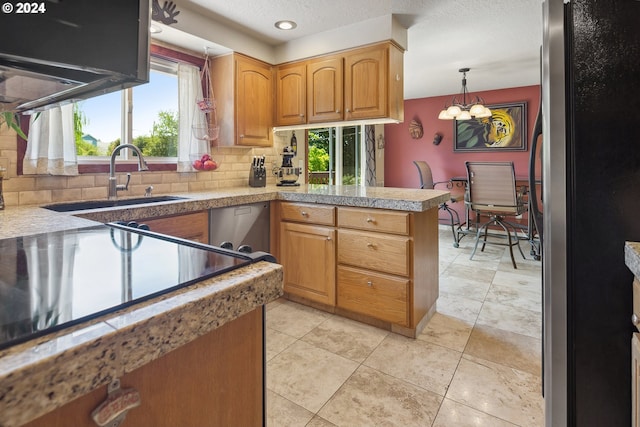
(114, 187)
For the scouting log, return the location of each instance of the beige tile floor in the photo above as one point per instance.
(477, 363)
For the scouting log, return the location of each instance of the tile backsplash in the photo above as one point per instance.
(233, 172)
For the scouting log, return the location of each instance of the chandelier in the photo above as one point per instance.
(465, 110)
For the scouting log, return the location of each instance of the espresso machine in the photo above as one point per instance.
(287, 174)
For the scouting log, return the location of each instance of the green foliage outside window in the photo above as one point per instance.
(163, 142)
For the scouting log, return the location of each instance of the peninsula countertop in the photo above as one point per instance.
(25, 220)
(42, 374)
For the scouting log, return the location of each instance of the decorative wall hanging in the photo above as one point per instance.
(204, 132)
(165, 14)
(504, 130)
(437, 138)
(415, 129)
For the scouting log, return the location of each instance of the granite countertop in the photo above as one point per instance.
(45, 373)
(25, 220)
(41, 375)
(632, 257)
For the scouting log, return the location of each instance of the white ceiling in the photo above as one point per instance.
(498, 39)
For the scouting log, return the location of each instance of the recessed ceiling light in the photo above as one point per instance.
(286, 25)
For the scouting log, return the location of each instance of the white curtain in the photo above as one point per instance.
(189, 90)
(51, 146)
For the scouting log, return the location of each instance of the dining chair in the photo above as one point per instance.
(492, 193)
(426, 181)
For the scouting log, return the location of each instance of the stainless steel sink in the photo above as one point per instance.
(100, 204)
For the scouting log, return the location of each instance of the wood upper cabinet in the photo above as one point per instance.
(291, 94)
(363, 83)
(325, 89)
(373, 83)
(243, 88)
(254, 94)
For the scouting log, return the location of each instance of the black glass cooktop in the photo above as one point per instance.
(54, 280)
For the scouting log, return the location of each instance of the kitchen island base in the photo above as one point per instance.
(215, 380)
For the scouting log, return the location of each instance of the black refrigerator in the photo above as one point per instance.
(590, 206)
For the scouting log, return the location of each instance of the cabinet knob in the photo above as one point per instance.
(328, 238)
(369, 283)
(301, 115)
(304, 213)
(371, 220)
(635, 319)
(241, 136)
(370, 245)
(348, 110)
(337, 111)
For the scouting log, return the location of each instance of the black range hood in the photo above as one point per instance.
(68, 50)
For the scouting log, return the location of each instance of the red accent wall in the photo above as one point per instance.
(401, 150)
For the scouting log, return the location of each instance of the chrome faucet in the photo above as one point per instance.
(114, 187)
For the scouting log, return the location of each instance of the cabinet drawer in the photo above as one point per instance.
(374, 220)
(381, 252)
(313, 214)
(376, 295)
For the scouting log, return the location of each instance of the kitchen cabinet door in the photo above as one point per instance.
(366, 83)
(373, 83)
(325, 89)
(254, 102)
(307, 253)
(291, 94)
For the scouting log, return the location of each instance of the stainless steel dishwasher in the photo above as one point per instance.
(244, 228)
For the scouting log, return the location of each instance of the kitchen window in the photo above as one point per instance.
(335, 155)
(103, 122)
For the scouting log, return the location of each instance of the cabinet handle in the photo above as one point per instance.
(371, 245)
(369, 283)
(303, 213)
(634, 319)
(371, 220)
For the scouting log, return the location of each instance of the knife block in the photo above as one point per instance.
(257, 176)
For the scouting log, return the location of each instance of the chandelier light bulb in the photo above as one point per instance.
(454, 110)
(461, 110)
(476, 110)
(464, 115)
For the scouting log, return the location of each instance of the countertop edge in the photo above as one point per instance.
(632, 257)
(35, 380)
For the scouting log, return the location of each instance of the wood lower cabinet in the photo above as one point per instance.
(215, 380)
(307, 253)
(380, 296)
(191, 226)
(383, 268)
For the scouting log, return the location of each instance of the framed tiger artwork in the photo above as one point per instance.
(505, 130)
